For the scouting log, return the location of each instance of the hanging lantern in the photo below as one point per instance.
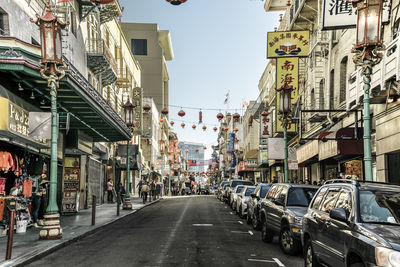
(264, 113)
(215, 129)
(226, 129)
(146, 108)
(368, 23)
(181, 113)
(196, 150)
(128, 113)
(183, 125)
(251, 120)
(205, 148)
(161, 120)
(186, 151)
(204, 128)
(220, 116)
(236, 116)
(285, 99)
(164, 111)
(176, 2)
(212, 146)
(200, 117)
(194, 127)
(236, 130)
(172, 123)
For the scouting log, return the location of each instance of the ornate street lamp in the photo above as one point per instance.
(176, 2)
(128, 108)
(50, 34)
(285, 103)
(368, 45)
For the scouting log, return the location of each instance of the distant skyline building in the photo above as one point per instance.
(196, 162)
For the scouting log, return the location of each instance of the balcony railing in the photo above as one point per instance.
(387, 69)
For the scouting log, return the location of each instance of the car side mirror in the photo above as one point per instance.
(338, 214)
(279, 202)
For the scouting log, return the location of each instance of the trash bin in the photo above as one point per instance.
(21, 226)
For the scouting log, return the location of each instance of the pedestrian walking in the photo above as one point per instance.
(158, 189)
(153, 190)
(121, 191)
(145, 191)
(110, 188)
(139, 186)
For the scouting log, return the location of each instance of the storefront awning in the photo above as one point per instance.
(345, 144)
(88, 110)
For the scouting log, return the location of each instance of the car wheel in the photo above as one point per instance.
(266, 235)
(309, 257)
(248, 218)
(255, 223)
(288, 244)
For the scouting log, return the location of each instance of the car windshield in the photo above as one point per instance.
(249, 191)
(240, 182)
(380, 207)
(224, 183)
(300, 196)
(264, 191)
(239, 189)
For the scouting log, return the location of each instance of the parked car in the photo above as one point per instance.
(351, 223)
(242, 198)
(212, 189)
(282, 212)
(234, 195)
(254, 204)
(221, 188)
(232, 185)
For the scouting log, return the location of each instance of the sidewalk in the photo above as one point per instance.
(27, 246)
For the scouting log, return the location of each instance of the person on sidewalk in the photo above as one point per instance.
(153, 190)
(145, 191)
(139, 186)
(158, 189)
(121, 191)
(110, 187)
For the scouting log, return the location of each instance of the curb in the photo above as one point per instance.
(23, 260)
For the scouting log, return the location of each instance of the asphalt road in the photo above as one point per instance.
(182, 231)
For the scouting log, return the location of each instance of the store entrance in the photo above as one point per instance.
(393, 165)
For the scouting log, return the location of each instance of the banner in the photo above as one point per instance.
(288, 44)
(338, 14)
(137, 102)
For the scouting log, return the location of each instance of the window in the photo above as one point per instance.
(393, 165)
(72, 24)
(331, 90)
(264, 191)
(139, 47)
(318, 198)
(330, 200)
(257, 191)
(312, 99)
(344, 201)
(4, 25)
(272, 192)
(282, 194)
(343, 80)
(299, 196)
(321, 94)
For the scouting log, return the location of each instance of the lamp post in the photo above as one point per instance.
(368, 44)
(128, 118)
(285, 103)
(50, 32)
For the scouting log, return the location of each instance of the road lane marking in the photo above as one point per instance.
(250, 232)
(231, 213)
(239, 232)
(278, 262)
(202, 224)
(261, 260)
(240, 222)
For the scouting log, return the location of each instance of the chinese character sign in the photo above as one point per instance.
(266, 126)
(137, 102)
(338, 14)
(288, 44)
(287, 71)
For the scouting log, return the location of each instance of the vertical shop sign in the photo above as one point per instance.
(18, 120)
(137, 101)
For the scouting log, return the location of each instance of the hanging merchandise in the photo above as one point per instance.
(27, 188)
(183, 125)
(6, 161)
(200, 117)
(181, 113)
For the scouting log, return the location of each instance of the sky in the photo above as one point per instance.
(219, 47)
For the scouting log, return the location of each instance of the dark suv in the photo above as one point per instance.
(351, 223)
(254, 204)
(281, 214)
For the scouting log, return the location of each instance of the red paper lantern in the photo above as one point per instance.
(176, 2)
(204, 128)
(205, 148)
(250, 120)
(196, 150)
(236, 116)
(164, 111)
(161, 120)
(226, 129)
(264, 113)
(181, 113)
(172, 123)
(194, 127)
(183, 125)
(186, 151)
(212, 146)
(220, 116)
(215, 129)
(236, 130)
(146, 108)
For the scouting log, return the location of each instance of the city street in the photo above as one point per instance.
(178, 231)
